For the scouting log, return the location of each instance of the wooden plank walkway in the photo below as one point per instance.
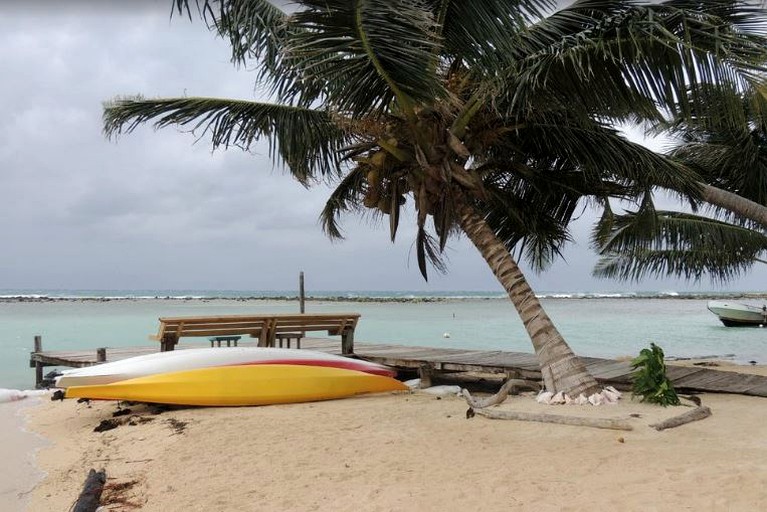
(606, 371)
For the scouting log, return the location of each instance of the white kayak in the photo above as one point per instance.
(195, 358)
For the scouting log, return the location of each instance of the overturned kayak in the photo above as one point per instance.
(196, 358)
(257, 384)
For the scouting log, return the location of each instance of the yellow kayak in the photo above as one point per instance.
(261, 384)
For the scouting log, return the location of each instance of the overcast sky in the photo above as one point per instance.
(155, 210)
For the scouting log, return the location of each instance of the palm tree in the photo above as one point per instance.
(727, 146)
(494, 118)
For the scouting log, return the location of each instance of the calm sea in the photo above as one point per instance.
(606, 325)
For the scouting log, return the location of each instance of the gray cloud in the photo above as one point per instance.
(156, 209)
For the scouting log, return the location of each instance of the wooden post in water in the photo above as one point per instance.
(101, 354)
(38, 364)
(301, 296)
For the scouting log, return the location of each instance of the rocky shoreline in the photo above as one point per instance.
(373, 299)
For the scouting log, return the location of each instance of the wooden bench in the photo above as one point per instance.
(335, 324)
(171, 329)
(264, 327)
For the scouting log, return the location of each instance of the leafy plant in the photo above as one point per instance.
(650, 380)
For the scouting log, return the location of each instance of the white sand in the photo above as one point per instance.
(18, 473)
(409, 452)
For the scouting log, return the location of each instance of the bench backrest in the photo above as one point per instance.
(333, 323)
(214, 326)
(256, 325)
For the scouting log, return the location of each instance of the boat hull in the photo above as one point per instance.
(262, 384)
(192, 359)
(733, 314)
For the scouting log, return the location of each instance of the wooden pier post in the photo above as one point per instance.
(425, 372)
(347, 342)
(38, 364)
(101, 354)
(301, 296)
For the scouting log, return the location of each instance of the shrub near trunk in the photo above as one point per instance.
(650, 380)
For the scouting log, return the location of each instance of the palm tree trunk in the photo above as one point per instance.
(562, 370)
(735, 203)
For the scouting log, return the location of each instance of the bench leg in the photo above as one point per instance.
(168, 343)
(266, 339)
(347, 342)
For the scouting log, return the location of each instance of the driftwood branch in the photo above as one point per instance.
(508, 387)
(578, 421)
(696, 414)
(90, 497)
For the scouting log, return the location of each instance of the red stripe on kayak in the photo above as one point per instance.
(345, 365)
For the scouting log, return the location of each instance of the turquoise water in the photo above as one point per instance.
(601, 327)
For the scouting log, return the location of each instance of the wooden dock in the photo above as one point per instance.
(431, 361)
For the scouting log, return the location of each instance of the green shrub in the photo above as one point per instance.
(650, 381)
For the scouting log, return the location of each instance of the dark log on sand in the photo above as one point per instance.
(508, 387)
(578, 421)
(89, 498)
(696, 414)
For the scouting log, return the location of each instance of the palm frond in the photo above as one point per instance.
(484, 34)
(736, 165)
(682, 245)
(729, 151)
(727, 110)
(501, 43)
(428, 250)
(604, 226)
(255, 29)
(641, 225)
(346, 197)
(259, 32)
(537, 233)
(540, 78)
(305, 140)
(601, 152)
(445, 220)
(368, 53)
(658, 52)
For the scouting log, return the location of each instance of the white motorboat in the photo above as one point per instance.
(734, 314)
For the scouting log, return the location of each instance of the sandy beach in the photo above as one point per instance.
(18, 472)
(406, 452)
